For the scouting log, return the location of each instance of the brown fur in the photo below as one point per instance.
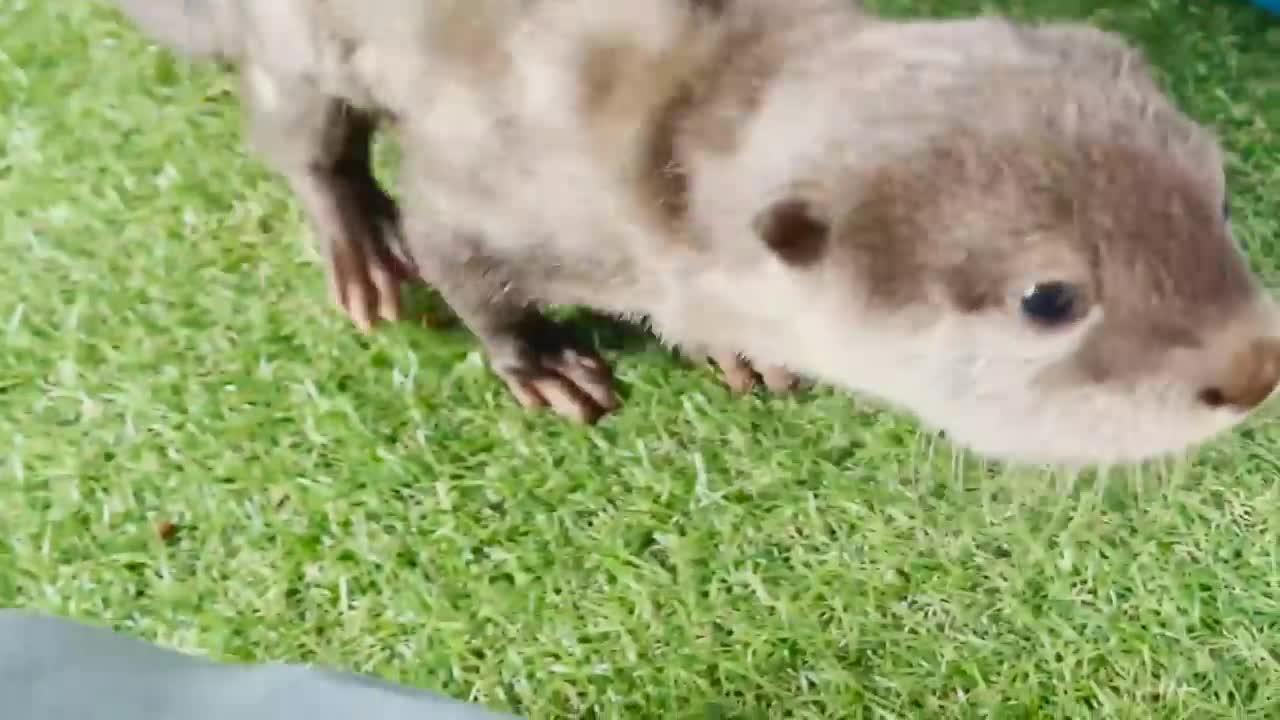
(469, 36)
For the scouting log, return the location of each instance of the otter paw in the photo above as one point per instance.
(366, 277)
(550, 372)
(742, 377)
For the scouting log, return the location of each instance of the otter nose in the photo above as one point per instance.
(1249, 379)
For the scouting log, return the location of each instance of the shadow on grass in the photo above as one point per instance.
(605, 332)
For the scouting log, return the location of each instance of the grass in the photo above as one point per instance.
(379, 504)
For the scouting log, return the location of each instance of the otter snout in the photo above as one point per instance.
(1249, 379)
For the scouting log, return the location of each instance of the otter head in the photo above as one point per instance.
(1051, 285)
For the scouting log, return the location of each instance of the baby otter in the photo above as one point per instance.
(1005, 228)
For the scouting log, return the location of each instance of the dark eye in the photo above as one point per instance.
(1051, 303)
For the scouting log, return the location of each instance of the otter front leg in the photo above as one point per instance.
(540, 361)
(321, 146)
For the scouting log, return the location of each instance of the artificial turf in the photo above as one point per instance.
(200, 451)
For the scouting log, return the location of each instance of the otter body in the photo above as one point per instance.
(1006, 229)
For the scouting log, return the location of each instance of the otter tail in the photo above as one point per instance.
(195, 28)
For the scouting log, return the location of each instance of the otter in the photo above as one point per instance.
(1007, 229)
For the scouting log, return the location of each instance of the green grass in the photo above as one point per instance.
(379, 504)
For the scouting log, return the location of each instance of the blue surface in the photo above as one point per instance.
(1270, 5)
(56, 669)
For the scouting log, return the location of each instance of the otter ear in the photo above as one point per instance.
(794, 229)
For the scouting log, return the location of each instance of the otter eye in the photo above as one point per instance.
(1051, 303)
